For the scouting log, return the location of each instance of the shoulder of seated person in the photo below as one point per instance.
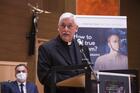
(32, 83)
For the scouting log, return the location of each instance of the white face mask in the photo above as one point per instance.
(21, 76)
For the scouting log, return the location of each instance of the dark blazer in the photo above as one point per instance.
(12, 87)
(55, 53)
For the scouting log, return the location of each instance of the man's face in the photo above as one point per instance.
(67, 29)
(114, 42)
(21, 74)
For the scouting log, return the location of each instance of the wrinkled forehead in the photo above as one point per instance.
(67, 16)
(67, 21)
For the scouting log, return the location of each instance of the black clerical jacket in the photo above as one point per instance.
(55, 53)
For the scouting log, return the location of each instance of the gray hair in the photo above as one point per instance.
(67, 15)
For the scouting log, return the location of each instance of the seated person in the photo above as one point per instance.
(20, 85)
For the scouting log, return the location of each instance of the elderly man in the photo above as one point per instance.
(61, 51)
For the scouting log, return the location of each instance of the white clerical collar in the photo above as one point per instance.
(69, 43)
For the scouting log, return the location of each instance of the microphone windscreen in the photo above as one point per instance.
(80, 42)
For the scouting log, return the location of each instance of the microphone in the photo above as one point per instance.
(80, 43)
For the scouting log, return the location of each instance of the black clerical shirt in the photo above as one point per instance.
(72, 53)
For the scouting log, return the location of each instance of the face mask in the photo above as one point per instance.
(21, 76)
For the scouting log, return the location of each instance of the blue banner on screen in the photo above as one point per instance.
(106, 38)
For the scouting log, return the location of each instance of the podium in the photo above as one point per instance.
(109, 82)
(76, 81)
(82, 80)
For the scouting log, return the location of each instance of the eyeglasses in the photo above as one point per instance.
(63, 26)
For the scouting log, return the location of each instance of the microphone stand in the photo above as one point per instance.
(86, 60)
(89, 84)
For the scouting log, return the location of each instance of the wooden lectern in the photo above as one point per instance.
(82, 80)
(76, 81)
